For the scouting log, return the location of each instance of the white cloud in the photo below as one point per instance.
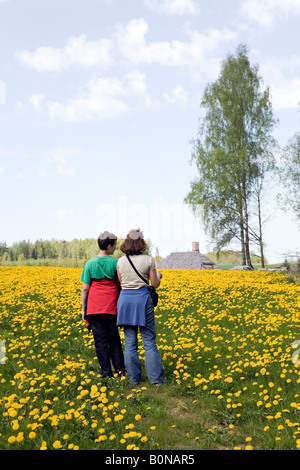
(288, 95)
(78, 51)
(7, 154)
(61, 154)
(102, 98)
(55, 161)
(177, 94)
(172, 7)
(65, 171)
(192, 54)
(265, 11)
(43, 172)
(137, 82)
(36, 100)
(283, 77)
(59, 170)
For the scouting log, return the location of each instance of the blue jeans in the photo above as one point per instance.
(153, 363)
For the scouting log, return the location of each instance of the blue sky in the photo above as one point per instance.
(99, 102)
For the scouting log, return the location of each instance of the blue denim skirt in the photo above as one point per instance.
(131, 306)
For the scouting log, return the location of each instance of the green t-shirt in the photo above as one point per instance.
(100, 267)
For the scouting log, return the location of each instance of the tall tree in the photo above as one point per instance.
(289, 171)
(233, 151)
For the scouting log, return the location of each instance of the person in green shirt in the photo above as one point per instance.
(100, 293)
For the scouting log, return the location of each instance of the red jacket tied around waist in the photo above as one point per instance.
(103, 297)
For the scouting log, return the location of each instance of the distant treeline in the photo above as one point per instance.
(76, 253)
(54, 252)
(232, 257)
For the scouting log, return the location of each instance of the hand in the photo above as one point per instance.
(83, 316)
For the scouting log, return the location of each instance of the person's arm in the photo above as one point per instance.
(155, 277)
(118, 284)
(84, 294)
(119, 277)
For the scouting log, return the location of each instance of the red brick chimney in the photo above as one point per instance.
(195, 246)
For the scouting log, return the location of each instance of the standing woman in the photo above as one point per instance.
(136, 310)
(100, 292)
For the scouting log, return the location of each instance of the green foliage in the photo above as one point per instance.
(230, 257)
(289, 172)
(233, 152)
(53, 252)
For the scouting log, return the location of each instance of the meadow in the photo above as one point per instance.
(228, 340)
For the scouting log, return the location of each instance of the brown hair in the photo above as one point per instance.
(104, 243)
(133, 247)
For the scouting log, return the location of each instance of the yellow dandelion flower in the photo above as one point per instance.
(57, 445)
(118, 417)
(12, 412)
(20, 437)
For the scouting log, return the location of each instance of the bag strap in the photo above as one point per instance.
(127, 256)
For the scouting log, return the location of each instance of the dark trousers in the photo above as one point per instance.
(108, 344)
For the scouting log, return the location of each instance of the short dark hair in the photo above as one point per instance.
(133, 247)
(103, 244)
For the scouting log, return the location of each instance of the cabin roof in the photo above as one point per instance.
(186, 260)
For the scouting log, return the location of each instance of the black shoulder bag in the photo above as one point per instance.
(153, 292)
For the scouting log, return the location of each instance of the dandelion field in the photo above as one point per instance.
(227, 342)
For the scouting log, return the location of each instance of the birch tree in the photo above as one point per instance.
(233, 151)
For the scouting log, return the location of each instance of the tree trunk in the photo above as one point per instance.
(246, 228)
(262, 258)
(241, 216)
(242, 234)
(262, 253)
(247, 244)
(243, 245)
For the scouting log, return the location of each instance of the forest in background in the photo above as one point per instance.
(75, 253)
(56, 252)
